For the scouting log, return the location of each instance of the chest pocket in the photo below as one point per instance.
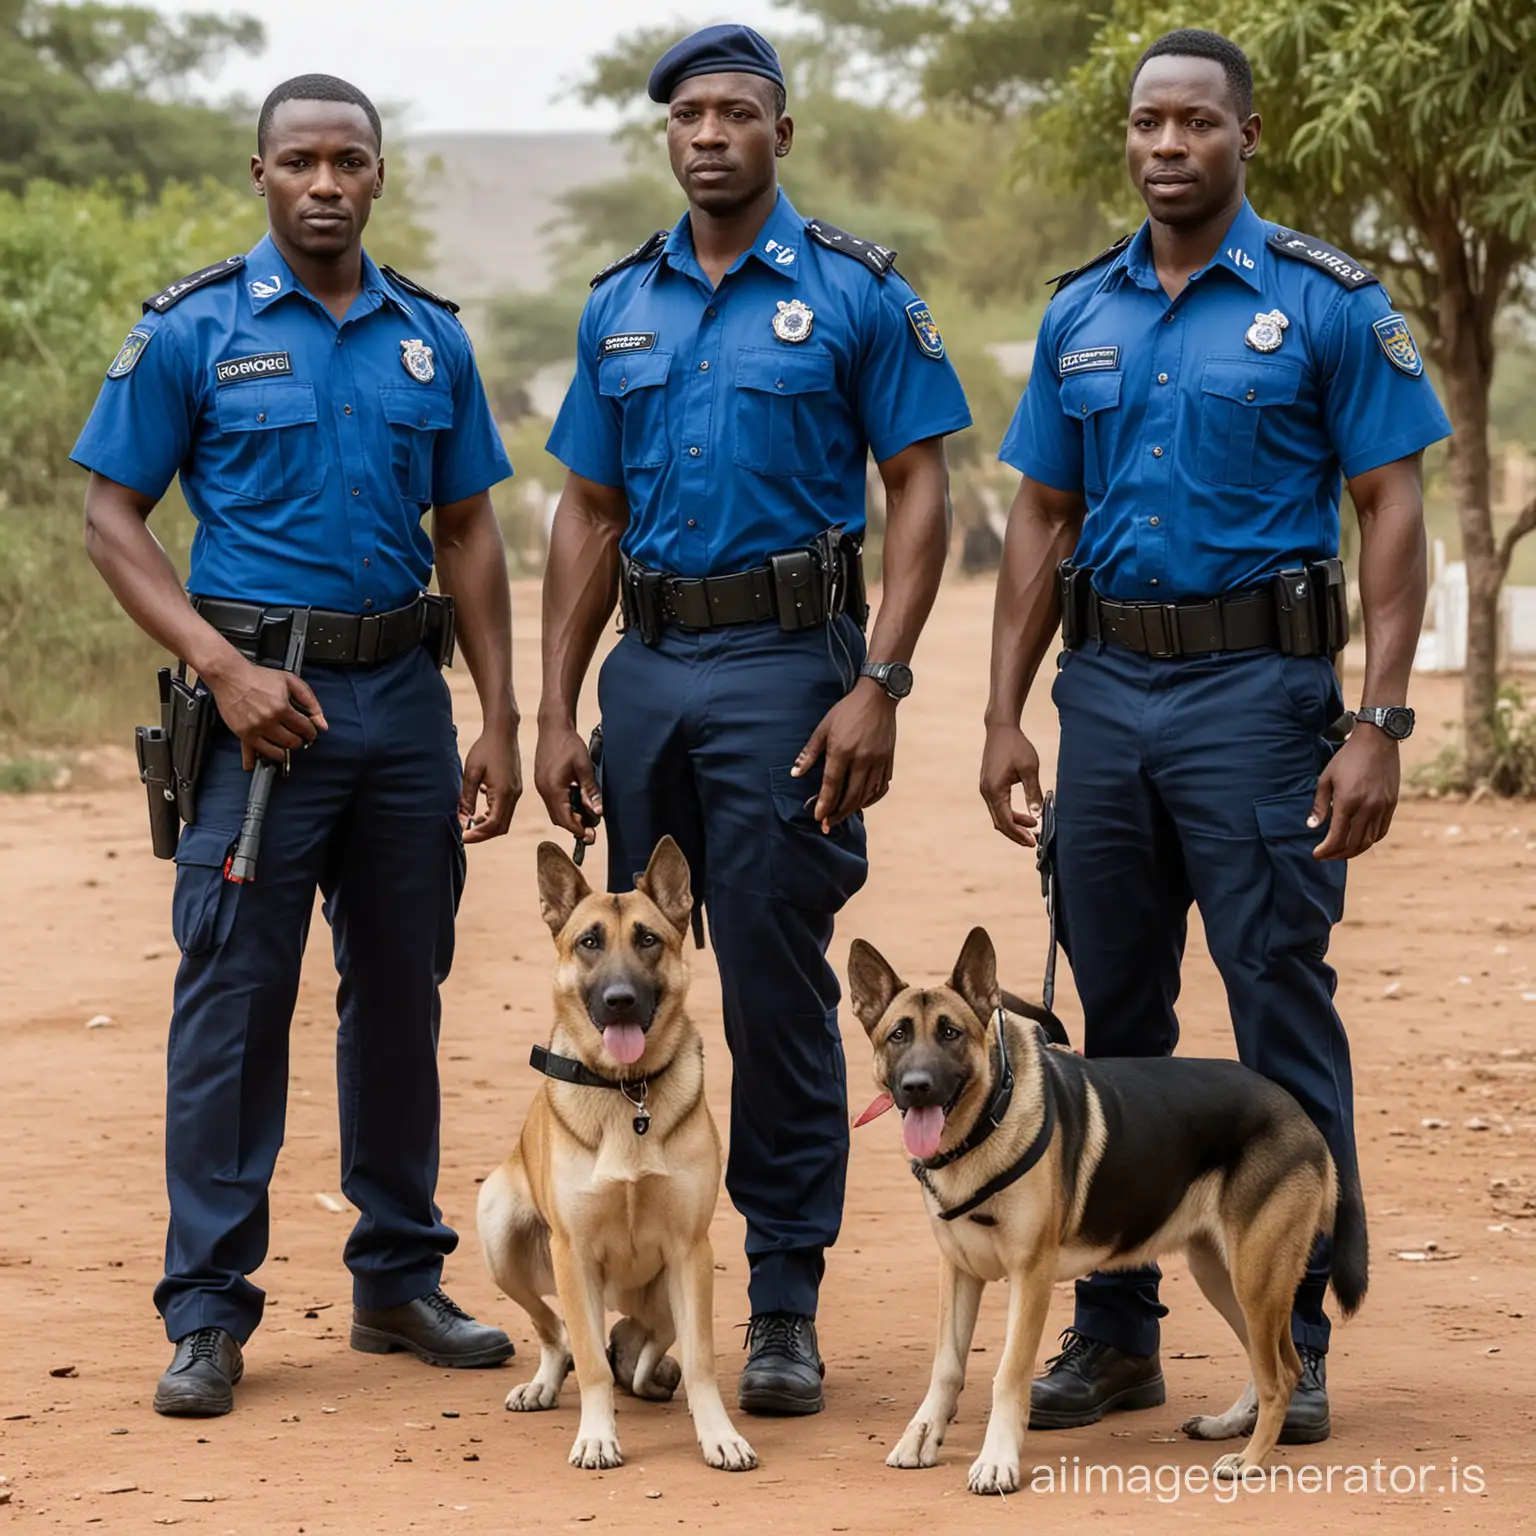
(1092, 400)
(781, 407)
(415, 418)
(1243, 420)
(269, 437)
(637, 383)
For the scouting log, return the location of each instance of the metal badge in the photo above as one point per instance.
(1267, 331)
(793, 321)
(416, 358)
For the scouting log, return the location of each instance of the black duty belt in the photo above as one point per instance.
(260, 632)
(1301, 612)
(799, 589)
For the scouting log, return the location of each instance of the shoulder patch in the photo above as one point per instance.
(1061, 279)
(642, 252)
(878, 258)
(1318, 253)
(926, 329)
(1398, 343)
(400, 280)
(174, 292)
(129, 353)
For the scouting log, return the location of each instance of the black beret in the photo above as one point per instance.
(728, 49)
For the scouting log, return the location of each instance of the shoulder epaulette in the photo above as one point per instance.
(878, 258)
(642, 252)
(173, 292)
(1341, 268)
(400, 280)
(1061, 279)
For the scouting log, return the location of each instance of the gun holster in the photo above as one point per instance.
(1312, 606)
(440, 627)
(1074, 586)
(171, 756)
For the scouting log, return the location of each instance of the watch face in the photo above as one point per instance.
(898, 681)
(1398, 723)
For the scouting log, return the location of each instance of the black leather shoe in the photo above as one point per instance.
(1089, 1379)
(200, 1381)
(784, 1370)
(1307, 1421)
(433, 1329)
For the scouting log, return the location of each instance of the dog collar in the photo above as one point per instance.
(567, 1069)
(990, 1118)
(1016, 1171)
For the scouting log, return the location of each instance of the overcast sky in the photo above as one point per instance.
(460, 64)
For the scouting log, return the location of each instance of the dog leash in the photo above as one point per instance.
(566, 1069)
(1045, 862)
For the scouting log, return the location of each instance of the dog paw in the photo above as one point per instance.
(1229, 1468)
(596, 1453)
(918, 1447)
(532, 1397)
(990, 1475)
(728, 1453)
(1217, 1426)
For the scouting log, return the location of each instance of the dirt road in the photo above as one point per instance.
(1438, 985)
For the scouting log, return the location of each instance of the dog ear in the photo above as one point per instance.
(975, 975)
(666, 882)
(872, 984)
(561, 887)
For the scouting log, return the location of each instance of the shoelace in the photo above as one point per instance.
(1073, 1344)
(774, 1333)
(445, 1306)
(1310, 1359)
(205, 1346)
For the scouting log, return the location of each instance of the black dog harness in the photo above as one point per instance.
(566, 1069)
(989, 1120)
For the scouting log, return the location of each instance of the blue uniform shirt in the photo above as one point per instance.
(1209, 443)
(308, 450)
(732, 441)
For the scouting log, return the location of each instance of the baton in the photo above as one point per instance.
(240, 868)
(589, 818)
(1045, 862)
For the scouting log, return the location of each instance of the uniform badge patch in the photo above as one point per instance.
(416, 359)
(1087, 360)
(626, 341)
(259, 365)
(128, 354)
(793, 321)
(266, 287)
(925, 328)
(1267, 331)
(1398, 343)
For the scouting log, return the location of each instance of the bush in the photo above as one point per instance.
(1513, 764)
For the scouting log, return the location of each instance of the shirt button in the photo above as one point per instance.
(369, 602)
(778, 383)
(346, 410)
(693, 453)
(338, 341)
(1162, 378)
(1152, 522)
(367, 561)
(1249, 395)
(703, 367)
(1157, 453)
(421, 421)
(1170, 317)
(1153, 581)
(261, 416)
(1085, 407)
(710, 311)
(355, 491)
(693, 522)
(623, 383)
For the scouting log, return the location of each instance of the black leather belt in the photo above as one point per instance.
(1245, 622)
(260, 633)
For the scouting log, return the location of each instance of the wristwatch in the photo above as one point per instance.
(894, 676)
(1395, 720)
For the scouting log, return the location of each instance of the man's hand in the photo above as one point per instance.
(1359, 786)
(560, 760)
(273, 713)
(1010, 759)
(858, 735)
(494, 768)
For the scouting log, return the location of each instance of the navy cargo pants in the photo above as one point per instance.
(700, 732)
(1185, 780)
(369, 816)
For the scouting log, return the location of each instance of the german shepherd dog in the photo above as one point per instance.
(607, 1200)
(1037, 1165)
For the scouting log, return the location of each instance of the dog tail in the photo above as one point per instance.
(1351, 1246)
(1055, 1030)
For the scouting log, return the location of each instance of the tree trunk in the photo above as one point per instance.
(1467, 368)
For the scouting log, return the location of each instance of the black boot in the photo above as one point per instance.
(433, 1329)
(1089, 1379)
(1307, 1420)
(784, 1370)
(200, 1381)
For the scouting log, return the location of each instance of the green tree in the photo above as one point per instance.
(100, 92)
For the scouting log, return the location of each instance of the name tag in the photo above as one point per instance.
(259, 365)
(626, 341)
(1088, 360)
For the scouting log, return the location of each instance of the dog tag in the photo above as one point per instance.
(642, 1121)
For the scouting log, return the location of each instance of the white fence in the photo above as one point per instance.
(1443, 643)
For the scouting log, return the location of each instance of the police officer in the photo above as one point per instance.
(315, 406)
(1196, 394)
(732, 378)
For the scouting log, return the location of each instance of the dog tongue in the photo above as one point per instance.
(922, 1130)
(624, 1042)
